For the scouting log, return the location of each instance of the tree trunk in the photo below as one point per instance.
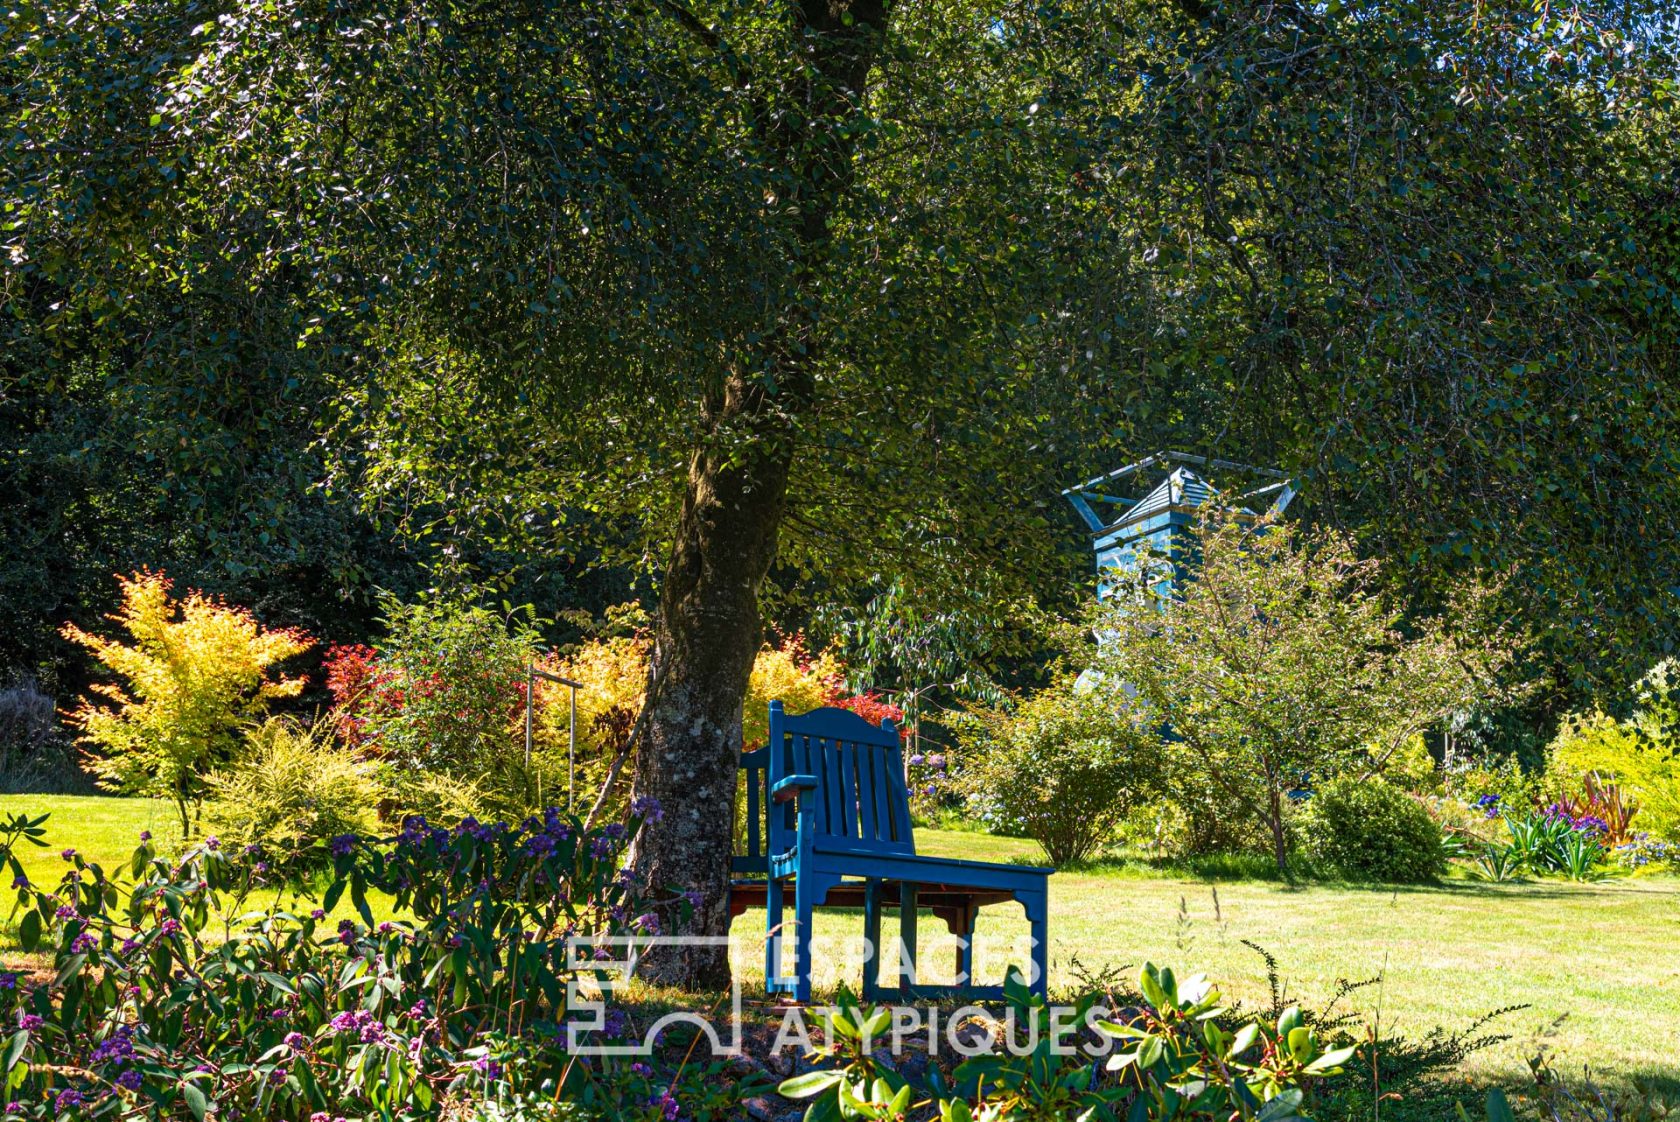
(706, 639)
(1280, 840)
(708, 632)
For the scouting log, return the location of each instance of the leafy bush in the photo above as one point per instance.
(291, 793)
(170, 998)
(1169, 1058)
(1368, 830)
(196, 671)
(446, 690)
(1063, 768)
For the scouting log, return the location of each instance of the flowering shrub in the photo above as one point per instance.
(196, 670)
(1546, 841)
(168, 999)
(1641, 757)
(1645, 853)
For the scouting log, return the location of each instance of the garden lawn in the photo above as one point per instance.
(1598, 964)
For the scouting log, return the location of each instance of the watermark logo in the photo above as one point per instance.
(599, 1024)
(597, 1027)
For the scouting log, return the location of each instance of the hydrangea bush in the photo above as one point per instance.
(171, 996)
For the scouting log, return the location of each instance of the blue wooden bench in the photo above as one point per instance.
(828, 821)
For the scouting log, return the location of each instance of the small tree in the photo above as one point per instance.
(1279, 663)
(196, 671)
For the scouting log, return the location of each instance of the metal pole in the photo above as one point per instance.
(531, 676)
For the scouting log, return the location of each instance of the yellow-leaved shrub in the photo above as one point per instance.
(191, 673)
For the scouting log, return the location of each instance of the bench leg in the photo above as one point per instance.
(772, 935)
(907, 937)
(872, 939)
(805, 907)
(965, 944)
(1037, 908)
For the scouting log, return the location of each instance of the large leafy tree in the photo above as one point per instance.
(849, 286)
(758, 281)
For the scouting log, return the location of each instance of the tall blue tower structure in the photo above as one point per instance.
(1152, 504)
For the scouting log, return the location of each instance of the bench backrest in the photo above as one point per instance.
(860, 801)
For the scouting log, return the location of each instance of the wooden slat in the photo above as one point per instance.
(900, 802)
(866, 795)
(883, 795)
(848, 790)
(753, 780)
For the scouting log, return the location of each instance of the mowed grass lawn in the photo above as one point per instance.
(1597, 964)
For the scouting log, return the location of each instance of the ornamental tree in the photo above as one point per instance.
(192, 672)
(1279, 664)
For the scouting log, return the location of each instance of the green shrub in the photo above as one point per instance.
(1064, 768)
(1368, 830)
(292, 789)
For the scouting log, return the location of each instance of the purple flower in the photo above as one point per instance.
(8, 980)
(68, 1098)
(487, 1067)
(639, 1068)
(647, 924)
(917, 759)
(169, 926)
(667, 1104)
(318, 913)
(346, 932)
(68, 911)
(694, 897)
(82, 943)
(647, 808)
(29, 1022)
(296, 1041)
(130, 1080)
(387, 927)
(69, 855)
(118, 1048)
(212, 843)
(417, 1011)
(145, 836)
(342, 845)
(20, 881)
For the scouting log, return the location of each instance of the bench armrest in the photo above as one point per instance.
(790, 786)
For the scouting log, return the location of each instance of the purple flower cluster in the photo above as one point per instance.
(647, 808)
(116, 1049)
(342, 845)
(1586, 823)
(359, 1021)
(1489, 805)
(487, 1067)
